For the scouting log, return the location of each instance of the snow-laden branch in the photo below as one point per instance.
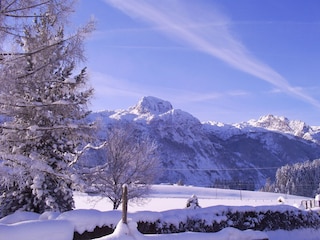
(6, 10)
(35, 128)
(81, 33)
(88, 146)
(39, 104)
(21, 163)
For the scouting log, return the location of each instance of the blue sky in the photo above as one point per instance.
(220, 60)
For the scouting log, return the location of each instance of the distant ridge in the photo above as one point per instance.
(241, 155)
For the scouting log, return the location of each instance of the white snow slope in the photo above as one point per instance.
(92, 211)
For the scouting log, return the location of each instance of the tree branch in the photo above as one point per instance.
(88, 146)
(6, 10)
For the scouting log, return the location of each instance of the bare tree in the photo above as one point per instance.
(130, 158)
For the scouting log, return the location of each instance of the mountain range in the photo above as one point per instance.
(241, 155)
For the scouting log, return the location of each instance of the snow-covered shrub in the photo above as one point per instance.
(193, 202)
(213, 219)
(281, 200)
(89, 224)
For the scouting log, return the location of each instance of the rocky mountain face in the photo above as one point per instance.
(240, 155)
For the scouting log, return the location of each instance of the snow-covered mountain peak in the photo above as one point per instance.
(272, 122)
(151, 105)
(281, 124)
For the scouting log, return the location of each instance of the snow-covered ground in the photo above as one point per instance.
(167, 197)
(94, 211)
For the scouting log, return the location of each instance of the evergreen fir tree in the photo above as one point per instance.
(44, 105)
(298, 179)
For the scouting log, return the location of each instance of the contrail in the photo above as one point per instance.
(207, 32)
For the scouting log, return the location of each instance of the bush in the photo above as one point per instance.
(261, 220)
(214, 219)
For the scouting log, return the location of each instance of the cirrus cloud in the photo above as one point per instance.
(207, 31)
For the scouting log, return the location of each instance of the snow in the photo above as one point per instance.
(151, 105)
(37, 229)
(87, 219)
(303, 234)
(123, 231)
(129, 232)
(265, 123)
(165, 201)
(151, 108)
(19, 217)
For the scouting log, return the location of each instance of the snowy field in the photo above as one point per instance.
(94, 211)
(168, 197)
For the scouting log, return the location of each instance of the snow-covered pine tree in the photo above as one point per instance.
(298, 179)
(44, 105)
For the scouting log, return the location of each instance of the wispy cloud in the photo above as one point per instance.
(207, 31)
(110, 87)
